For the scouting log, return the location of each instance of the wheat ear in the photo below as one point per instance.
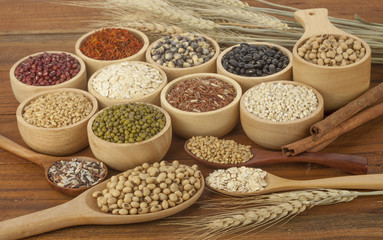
(252, 214)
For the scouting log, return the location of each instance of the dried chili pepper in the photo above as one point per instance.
(111, 44)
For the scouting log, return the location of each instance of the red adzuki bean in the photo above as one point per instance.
(47, 69)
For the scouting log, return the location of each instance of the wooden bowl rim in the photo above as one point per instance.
(365, 58)
(212, 42)
(24, 103)
(126, 100)
(142, 36)
(262, 78)
(65, 84)
(114, 145)
(169, 86)
(317, 111)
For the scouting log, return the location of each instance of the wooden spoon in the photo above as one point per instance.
(346, 162)
(46, 162)
(82, 210)
(278, 184)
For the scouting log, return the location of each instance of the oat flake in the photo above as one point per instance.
(238, 179)
(127, 80)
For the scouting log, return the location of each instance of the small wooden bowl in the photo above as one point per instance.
(274, 135)
(93, 65)
(55, 141)
(213, 123)
(153, 97)
(248, 82)
(173, 73)
(124, 156)
(340, 84)
(23, 91)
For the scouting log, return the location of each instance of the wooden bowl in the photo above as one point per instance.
(123, 156)
(338, 85)
(55, 141)
(153, 97)
(274, 135)
(173, 73)
(248, 82)
(93, 65)
(213, 123)
(23, 91)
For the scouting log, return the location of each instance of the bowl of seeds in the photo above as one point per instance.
(127, 135)
(46, 71)
(255, 62)
(54, 122)
(277, 113)
(129, 81)
(202, 104)
(106, 46)
(332, 61)
(183, 54)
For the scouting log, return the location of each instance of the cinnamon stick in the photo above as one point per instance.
(355, 121)
(369, 98)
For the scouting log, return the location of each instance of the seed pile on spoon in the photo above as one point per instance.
(240, 180)
(76, 173)
(216, 150)
(149, 188)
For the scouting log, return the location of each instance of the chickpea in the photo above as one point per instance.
(163, 196)
(154, 203)
(164, 204)
(166, 191)
(173, 197)
(133, 211)
(135, 204)
(126, 206)
(147, 199)
(144, 205)
(155, 208)
(143, 210)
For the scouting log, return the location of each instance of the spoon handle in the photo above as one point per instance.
(61, 216)
(346, 162)
(21, 151)
(369, 181)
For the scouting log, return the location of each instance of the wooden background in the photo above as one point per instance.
(29, 26)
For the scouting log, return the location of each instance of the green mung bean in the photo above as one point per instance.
(128, 123)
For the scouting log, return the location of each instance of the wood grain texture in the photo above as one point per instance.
(33, 26)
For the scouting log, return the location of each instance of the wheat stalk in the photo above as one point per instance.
(228, 21)
(252, 214)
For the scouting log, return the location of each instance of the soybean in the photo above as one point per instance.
(159, 195)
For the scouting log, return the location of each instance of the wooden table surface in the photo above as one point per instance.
(29, 26)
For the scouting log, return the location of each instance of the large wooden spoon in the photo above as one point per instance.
(278, 184)
(82, 210)
(45, 162)
(346, 162)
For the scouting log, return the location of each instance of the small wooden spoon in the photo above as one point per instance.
(45, 162)
(346, 162)
(278, 184)
(82, 210)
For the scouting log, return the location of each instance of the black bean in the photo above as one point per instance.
(247, 58)
(252, 60)
(249, 66)
(272, 68)
(233, 62)
(256, 56)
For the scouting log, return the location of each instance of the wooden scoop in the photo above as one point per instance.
(278, 184)
(82, 210)
(46, 162)
(348, 163)
(338, 85)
